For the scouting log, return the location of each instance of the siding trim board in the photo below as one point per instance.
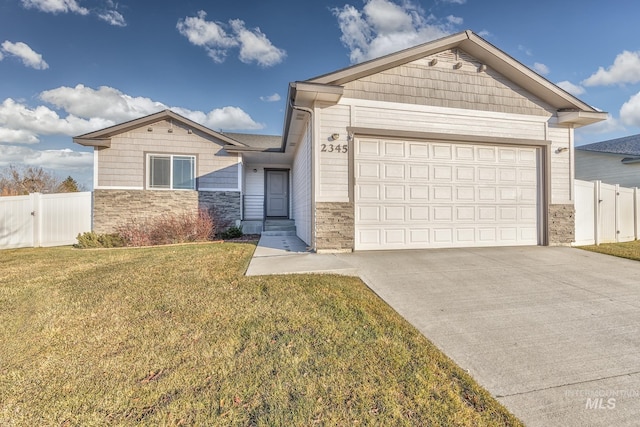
(494, 140)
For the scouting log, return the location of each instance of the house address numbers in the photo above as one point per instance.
(334, 148)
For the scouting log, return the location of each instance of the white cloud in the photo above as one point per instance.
(225, 118)
(573, 89)
(29, 57)
(213, 36)
(271, 98)
(84, 109)
(541, 68)
(630, 111)
(105, 102)
(17, 136)
(454, 1)
(625, 69)
(32, 122)
(611, 124)
(55, 6)
(382, 27)
(255, 46)
(113, 17)
(455, 20)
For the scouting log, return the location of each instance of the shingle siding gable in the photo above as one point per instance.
(441, 84)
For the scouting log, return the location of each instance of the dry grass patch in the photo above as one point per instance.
(630, 250)
(178, 336)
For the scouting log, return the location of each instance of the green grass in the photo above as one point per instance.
(178, 336)
(630, 250)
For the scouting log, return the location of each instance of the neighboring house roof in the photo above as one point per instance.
(102, 137)
(327, 87)
(626, 146)
(255, 141)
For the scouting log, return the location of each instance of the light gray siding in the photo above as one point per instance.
(123, 165)
(560, 162)
(301, 188)
(441, 84)
(607, 168)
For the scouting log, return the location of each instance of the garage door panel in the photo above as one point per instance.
(368, 170)
(442, 152)
(418, 172)
(442, 213)
(442, 193)
(420, 194)
(418, 213)
(442, 173)
(370, 192)
(486, 154)
(465, 173)
(394, 213)
(368, 214)
(466, 213)
(464, 153)
(368, 148)
(394, 171)
(418, 150)
(394, 192)
(486, 175)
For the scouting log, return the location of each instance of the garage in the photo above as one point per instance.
(414, 194)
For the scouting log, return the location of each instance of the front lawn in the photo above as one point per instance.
(630, 250)
(179, 336)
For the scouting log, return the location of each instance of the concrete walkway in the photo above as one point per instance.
(289, 254)
(553, 333)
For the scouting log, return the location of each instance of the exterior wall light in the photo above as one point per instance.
(335, 136)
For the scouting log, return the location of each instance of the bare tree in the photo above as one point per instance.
(17, 181)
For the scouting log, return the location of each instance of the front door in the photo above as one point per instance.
(277, 190)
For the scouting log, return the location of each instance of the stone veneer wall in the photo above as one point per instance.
(224, 205)
(561, 224)
(335, 226)
(112, 208)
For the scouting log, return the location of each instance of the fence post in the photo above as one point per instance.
(617, 212)
(636, 224)
(596, 212)
(36, 205)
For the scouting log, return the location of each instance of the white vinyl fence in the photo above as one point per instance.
(43, 219)
(606, 213)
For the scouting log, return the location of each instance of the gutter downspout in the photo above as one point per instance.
(314, 170)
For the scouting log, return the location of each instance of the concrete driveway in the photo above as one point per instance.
(553, 333)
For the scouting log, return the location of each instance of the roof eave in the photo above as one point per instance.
(93, 142)
(106, 133)
(580, 118)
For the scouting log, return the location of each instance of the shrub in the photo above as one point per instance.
(95, 240)
(232, 233)
(168, 229)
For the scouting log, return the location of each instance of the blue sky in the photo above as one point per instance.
(68, 67)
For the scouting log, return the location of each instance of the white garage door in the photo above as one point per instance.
(421, 194)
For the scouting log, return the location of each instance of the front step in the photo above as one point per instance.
(279, 227)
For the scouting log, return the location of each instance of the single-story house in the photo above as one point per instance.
(616, 161)
(452, 143)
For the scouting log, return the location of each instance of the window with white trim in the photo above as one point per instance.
(171, 172)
